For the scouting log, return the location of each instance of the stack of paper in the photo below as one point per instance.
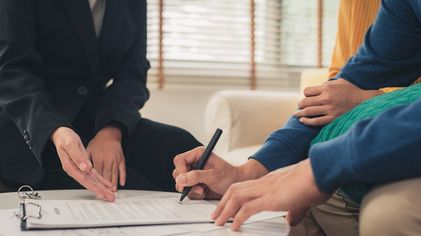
(91, 213)
(154, 214)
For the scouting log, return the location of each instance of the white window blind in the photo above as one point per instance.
(299, 32)
(330, 27)
(208, 41)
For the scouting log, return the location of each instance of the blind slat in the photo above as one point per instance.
(214, 35)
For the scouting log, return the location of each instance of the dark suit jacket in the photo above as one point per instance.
(53, 69)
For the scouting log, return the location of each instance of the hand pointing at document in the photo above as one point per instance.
(75, 162)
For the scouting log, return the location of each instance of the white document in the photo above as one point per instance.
(206, 227)
(154, 195)
(123, 212)
(266, 228)
(10, 226)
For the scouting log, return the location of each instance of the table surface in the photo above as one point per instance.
(11, 200)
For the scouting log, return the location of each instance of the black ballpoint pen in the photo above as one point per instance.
(203, 159)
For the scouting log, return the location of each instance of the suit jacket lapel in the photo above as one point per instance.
(81, 16)
(111, 26)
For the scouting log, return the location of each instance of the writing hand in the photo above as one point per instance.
(213, 181)
(209, 183)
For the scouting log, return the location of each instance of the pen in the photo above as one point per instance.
(203, 159)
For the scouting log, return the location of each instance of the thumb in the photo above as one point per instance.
(79, 156)
(85, 163)
(294, 217)
(195, 177)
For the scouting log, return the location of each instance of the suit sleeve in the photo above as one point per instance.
(122, 100)
(23, 96)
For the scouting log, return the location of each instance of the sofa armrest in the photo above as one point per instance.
(313, 77)
(247, 117)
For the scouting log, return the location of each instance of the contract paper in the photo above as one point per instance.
(10, 225)
(57, 214)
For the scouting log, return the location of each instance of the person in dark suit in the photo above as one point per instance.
(72, 80)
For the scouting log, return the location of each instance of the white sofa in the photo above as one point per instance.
(248, 117)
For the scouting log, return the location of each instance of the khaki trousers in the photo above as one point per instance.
(390, 209)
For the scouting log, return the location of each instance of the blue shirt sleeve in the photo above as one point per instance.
(380, 149)
(287, 145)
(378, 63)
(390, 55)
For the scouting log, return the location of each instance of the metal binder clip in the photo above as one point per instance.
(23, 214)
(29, 194)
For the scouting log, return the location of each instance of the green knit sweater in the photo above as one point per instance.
(367, 109)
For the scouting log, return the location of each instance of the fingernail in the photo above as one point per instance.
(110, 197)
(197, 191)
(82, 166)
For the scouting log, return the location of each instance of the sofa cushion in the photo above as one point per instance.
(240, 155)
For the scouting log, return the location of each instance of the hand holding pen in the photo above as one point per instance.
(203, 159)
(208, 182)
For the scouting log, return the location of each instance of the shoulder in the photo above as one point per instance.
(136, 6)
(136, 10)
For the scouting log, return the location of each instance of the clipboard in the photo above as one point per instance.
(39, 214)
(24, 216)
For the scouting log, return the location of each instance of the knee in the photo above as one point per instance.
(380, 219)
(181, 139)
(177, 140)
(186, 136)
(391, 210)
(168, 136)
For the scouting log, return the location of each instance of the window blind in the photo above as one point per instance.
(299, 32)
(208, 41)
